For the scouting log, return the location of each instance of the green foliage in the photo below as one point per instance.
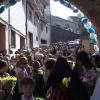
(29, 56)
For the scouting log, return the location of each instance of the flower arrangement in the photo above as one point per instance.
(89, 76)
(9, 83)
(89, 79)
(66, 81)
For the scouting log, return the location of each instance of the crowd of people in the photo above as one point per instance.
(57, 72)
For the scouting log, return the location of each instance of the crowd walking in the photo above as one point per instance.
(57, 72)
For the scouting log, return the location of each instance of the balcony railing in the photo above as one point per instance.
(39, 8)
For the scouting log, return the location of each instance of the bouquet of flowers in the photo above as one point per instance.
(9, 83)
(89, 76)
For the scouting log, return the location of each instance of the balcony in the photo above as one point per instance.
(38, 8)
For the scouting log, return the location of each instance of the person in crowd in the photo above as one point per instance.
(4, 52)
(71, 89)
(84, 68)
(83, 63)
(3, 68)
(27, 86)
(95, 60)
(1, 56)
(38, 77)
(48, 67)
(20, 68)
(21, 72)
(4, 90)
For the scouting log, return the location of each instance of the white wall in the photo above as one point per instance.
(7, 39)
(32, 28)
(17, 20)
(4, 15)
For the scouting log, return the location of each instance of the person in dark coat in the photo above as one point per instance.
(72, 90)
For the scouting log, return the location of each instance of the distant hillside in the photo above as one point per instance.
(59, 34)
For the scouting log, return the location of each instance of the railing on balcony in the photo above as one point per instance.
(40, 6)
(39, 9)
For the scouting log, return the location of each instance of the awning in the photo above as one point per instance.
(6, 4)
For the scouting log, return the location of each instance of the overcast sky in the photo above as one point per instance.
(58, 9)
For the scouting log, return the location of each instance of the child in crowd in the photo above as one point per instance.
(27, 86)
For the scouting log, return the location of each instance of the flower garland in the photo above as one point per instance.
(86, 22)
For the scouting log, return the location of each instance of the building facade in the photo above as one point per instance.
(63, 30)
(13, 34)
(25, 25)
(44, 22)
(69, 24)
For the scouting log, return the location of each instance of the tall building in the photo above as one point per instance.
(63, 30)
(68, 24)
(44, 23)
(40, 11)
(25, 25)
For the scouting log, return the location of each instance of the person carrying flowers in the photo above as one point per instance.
(64, 84)
(7, 82)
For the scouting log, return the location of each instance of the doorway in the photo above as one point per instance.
(2, 37)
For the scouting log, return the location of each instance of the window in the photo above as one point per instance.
(43, 41)
(22, 42)
(67, 25)
(57, 25)
(42, 26)
(30, 15)
(35, 20)
(36, 38)
(46, 29)
(31, 40)
(13, 39)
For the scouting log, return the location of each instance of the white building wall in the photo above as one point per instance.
(17, 22)
(17, 41)
(17, 17)
(32, 28)
(4, 15)
(45, 35)
(7, 39)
